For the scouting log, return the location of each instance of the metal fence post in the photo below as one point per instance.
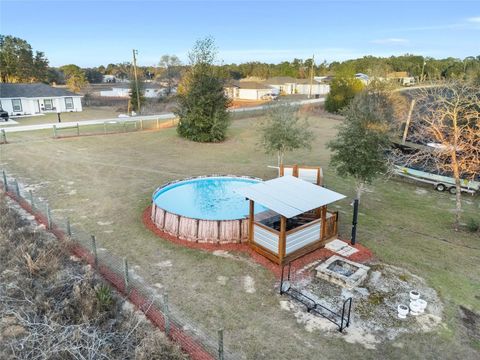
(5, 182)
(220, 345)
(94, 251)
(49, 217)
(32, 203)
(4, 136)
(166, 314)
(125, 275)
(54, 131)
(78, 129)
(69, 228)
(17, 188)
(105, 127)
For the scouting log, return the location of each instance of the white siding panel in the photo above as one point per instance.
(266, 239)
(302, 238)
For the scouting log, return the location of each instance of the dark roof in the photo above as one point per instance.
(31, 91)
(252, 85)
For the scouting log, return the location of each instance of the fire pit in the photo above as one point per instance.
(342, 272)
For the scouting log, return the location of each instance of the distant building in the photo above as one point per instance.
(113, 79)
(402, 77)
(121, 91)
(247, 90)
(30, 99)
(288, 85)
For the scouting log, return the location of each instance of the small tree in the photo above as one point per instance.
(359, 149)
(342, 90)
(133, 95)
(74, 77)
(283, 130)
(448, 116)
(202, 102)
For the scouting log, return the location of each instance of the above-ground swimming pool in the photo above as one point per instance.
(204, 209)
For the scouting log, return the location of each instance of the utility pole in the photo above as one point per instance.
(135, 52)
(311, 76)
(423, 68)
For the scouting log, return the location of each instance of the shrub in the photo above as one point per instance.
(342, 91)
(473, 225)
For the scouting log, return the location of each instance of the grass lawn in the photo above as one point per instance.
(88, 113)
(103, 183)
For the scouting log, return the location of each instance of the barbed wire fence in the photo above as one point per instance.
(198, 342)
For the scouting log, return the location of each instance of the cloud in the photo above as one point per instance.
(475, 19)
(390, 41)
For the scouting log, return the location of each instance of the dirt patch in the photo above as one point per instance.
(374, 308)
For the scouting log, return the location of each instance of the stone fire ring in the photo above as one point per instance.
(326, 271)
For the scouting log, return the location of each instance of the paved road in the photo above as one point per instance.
(136, 118)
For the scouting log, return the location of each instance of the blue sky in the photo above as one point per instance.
(90, 33)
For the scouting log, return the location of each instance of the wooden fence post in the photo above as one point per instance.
(78, 129)
(4, 136)
(69, 228)
(141, 124)
(220, 345)
(94, 251)
(55, 131)
(105, 127)
(17, 188)
(166, 314)
(125, 275)
(158, 124)
(5, 182)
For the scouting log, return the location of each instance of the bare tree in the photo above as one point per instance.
(449, 117)
(170, 65)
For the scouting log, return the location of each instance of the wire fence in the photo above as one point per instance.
(199, 343)
(97, 127)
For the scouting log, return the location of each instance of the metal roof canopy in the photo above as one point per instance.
(289, 196)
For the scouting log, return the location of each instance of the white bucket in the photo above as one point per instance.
(415, 309)
(402, 311)
(422, 304)
(414, 295)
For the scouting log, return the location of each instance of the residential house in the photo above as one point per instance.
(247, 90)
(150, 90)
(288, 85)
(30, 99)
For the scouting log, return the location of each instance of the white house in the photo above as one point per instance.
(124, 92)
(248, 90)
(30, 99)
(288, 85)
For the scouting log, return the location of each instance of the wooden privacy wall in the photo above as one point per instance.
(312, 174)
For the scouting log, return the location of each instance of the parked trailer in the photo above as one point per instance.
(439, 182)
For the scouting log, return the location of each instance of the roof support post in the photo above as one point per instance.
(251, 218)
(282, 243)
(323, 228)
(295, 170)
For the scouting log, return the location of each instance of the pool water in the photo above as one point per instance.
(209, 198)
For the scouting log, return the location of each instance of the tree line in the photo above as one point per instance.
(19, 63)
